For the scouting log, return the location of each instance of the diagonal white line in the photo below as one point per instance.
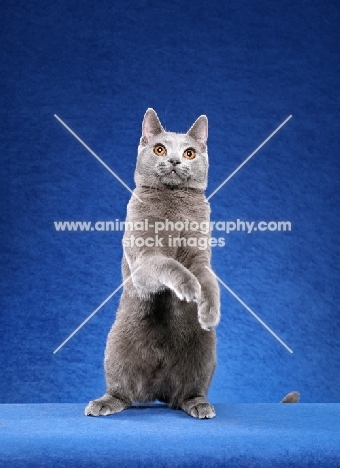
(246, 160)
(249, 310)
(95, 311)
(97, 157)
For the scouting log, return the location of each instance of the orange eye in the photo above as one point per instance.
(189, 153)
(159, 150)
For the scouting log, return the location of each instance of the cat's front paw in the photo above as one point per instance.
(188, 290)
(208, 315)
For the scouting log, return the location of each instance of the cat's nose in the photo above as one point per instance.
(175, 161)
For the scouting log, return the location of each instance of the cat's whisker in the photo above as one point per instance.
(154, 184)
(156, 179)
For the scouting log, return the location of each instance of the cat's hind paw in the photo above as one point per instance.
(200, 410)
(105, 406)
(203, 411)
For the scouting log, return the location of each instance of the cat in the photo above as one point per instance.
(162, 345)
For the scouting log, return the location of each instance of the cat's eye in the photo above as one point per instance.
(159, 150)
(189, 153)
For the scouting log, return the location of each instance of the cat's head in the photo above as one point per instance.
(172, 159)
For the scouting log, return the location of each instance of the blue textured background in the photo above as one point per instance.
(242, 436)
(99, 65)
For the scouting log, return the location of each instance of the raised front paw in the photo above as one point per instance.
(208, 315)
(188, 289)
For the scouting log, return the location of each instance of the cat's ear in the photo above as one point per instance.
(199, 131)
(151, 126)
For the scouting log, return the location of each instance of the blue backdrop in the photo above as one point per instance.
(99, 66)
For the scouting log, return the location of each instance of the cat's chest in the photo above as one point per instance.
(175, 206)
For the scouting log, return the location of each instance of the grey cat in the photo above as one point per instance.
(162, 345)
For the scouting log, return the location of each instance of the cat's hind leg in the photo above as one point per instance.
(198, 407)
(107, 404)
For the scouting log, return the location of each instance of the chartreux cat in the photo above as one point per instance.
(162, 345)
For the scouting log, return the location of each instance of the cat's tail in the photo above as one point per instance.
(292, 397)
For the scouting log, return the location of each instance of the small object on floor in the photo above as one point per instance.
(292, 397)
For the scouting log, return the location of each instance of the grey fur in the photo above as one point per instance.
(162, 344)
(292, 397)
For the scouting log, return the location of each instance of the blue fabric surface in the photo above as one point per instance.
(242, 435)
(99, 65)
